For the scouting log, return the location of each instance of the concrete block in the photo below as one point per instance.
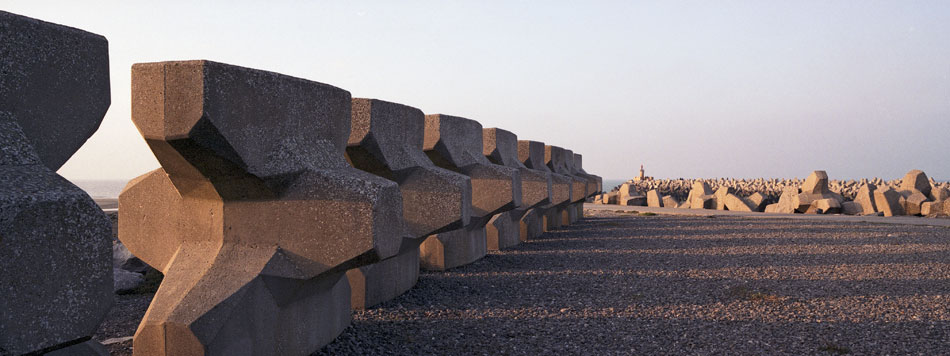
(916, 180)
(255, 214)
(888, 202)
(456, 144)
(56, 282)
(654, 199)
(386, 139)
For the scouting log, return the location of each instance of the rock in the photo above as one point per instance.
(851, 208)
(122, 258)
(55, 275)
(788, 203)
(912, 201)
(654, 199)
(735, 203)
(824, 206)
(916, 180)
(125, 280)
(670, 202)
(865, 198)
(888, 202)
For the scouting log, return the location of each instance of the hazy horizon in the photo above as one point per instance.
(739, 89)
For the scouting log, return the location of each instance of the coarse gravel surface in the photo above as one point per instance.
(621, 283)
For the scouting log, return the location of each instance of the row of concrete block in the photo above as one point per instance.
(281, 203)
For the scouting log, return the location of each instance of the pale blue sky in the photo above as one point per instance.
(689, 89)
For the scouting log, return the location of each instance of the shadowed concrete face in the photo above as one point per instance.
(55, 248)
(455, 143)
(55, 82)
(386, 140)
(255, 214)
(536, 221)
(560, 161)
(501, 148)
(593, 181)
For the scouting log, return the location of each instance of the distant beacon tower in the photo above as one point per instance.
(642, 177)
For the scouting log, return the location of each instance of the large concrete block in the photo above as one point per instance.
(756, 201)
(55, 243)
(654, 199)
(561, 161)
(255, 214)
(911, 201)
(386, 139)
(916, 180)
(55, 83)
(733, 202)
(865, 198)
(533, 155)
(701, 196)
(888, 202)
(596, 183)
(504, 230)
(816, 183)
(456, 144)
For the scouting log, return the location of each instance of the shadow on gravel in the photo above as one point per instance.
(626, 284)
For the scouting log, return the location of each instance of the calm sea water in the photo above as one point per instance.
(101, 188)
(611, 183)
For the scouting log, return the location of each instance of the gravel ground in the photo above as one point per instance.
(629, 284)
(620, 283)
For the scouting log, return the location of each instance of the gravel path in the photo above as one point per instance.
(628, 284)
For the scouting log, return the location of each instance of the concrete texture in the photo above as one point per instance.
(55, 265)
(561, 161)
(535, 221)
(455, 143)
(504, 230)
(386, 139)
(255, 214)
(55, 83)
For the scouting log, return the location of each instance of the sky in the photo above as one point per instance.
(687, 88)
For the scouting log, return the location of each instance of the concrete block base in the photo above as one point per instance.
(453, 248)
(384, 280)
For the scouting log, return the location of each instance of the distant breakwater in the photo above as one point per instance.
(771, 188)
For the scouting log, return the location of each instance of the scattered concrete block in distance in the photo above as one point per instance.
(670, 202)
(865, 198)
(824, 206)
(756, 201)
(916, 180)
(851, 208)
(654, 199)
(888, 202)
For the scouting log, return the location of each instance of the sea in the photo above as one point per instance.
(101, 189)
(611, 183)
